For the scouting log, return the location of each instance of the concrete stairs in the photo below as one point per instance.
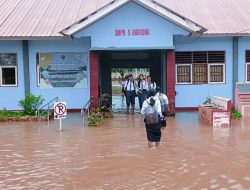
(242, 99)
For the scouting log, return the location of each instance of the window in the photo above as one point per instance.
(248, 66)
(8, 69)
(38, 70)
(184, 74)
(248, 72)
(199, 73)
(216, 73)
(199, 67)
(202, 67)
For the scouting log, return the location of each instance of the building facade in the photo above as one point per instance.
(71, 58)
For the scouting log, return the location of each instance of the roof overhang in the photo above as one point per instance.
(183, 22)
(35, 38)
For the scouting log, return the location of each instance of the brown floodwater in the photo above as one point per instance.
(115, 156)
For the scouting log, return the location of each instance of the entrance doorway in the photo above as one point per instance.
(118, 76)
(114, 65)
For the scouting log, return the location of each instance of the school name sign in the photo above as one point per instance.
(63, 69)
(132, 32)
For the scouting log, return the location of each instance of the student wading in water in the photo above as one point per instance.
(151, 109)
(164, 104)
(130, 87)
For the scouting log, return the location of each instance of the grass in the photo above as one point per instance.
(11, 114)
(16, 114)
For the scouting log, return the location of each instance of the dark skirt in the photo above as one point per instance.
(154, 132)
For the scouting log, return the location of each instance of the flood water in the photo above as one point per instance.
(119, 104)
(115, 156)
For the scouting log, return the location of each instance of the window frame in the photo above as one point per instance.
(247, 63)
(224, 74)
(1, 76)
(208, 67)
(191, 73)
(38, 75)
(9, 66)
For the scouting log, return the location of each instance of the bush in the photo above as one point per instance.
(30, 103)
(236, 114)
(95, 118)
(11, 114)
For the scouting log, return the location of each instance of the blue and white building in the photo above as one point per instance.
(66, 48)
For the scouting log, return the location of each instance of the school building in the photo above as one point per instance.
(67, 48)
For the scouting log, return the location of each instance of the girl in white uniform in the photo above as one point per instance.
(164, 104)
(151, 108)
(147, 85)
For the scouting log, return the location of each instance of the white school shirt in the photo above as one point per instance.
(157, 105)
(123, 84)
(130, 86)
(162, 96)
(147, 86)
(141, 84)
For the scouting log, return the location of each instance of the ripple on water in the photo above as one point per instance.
(115, 156)
(247, 178)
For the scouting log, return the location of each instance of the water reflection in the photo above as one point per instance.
(219, 132)
(115, 156)
(119, 104)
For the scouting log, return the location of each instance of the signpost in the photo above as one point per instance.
(60, 112)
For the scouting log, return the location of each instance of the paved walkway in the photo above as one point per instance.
(115, 156)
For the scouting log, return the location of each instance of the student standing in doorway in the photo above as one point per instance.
(131, 88)
(151, 84)
(123, 86)
(147, 85)
(140, 90)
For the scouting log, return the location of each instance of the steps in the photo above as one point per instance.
(242, 99)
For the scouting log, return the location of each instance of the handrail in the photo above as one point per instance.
(38, 111)
(85, 108)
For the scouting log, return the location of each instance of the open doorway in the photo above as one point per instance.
(118, 76)
(115, 65)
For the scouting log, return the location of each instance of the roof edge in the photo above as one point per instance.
(35, 37)
(226, 35)
(93, 17)
(153, 6)
(189, 21)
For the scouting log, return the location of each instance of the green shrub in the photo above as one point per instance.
(236, 114)
(30, 103)
(11, 114)
(95, 118)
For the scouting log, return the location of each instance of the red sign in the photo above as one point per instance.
(132, 32)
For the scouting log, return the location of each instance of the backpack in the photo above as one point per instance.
(164, 106)
(151, 115)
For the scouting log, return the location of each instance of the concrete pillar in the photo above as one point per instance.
(25, 46)
(164, 74)
(170, 64)
(235, 63)
(94, 76)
